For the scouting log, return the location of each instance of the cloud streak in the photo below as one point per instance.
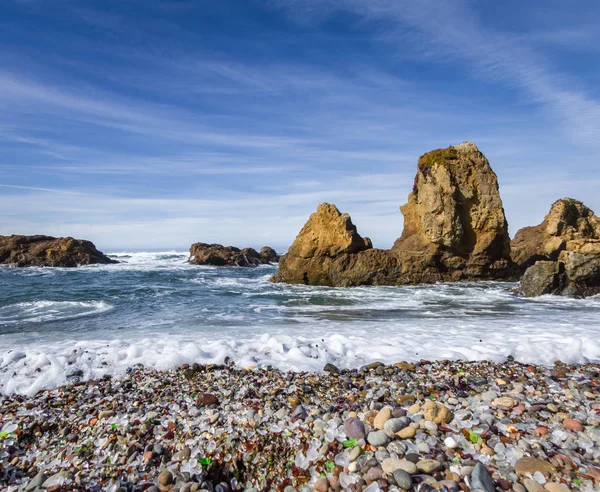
(450, 31)
(146, 134)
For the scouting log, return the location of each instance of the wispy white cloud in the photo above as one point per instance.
(450, 32)
(174, 144)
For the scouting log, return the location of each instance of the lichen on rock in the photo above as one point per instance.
(454, 229)
(454, 222)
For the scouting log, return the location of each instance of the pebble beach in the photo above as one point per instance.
(444, 425)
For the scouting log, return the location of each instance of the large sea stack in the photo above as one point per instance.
(454, 229)
(454, 222)
(219, 255)
(46, 251)
(562, 254)
(329, 251)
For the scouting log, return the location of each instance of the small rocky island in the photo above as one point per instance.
(454, 229)
(219, 255)
(562, 254)
(46, 251)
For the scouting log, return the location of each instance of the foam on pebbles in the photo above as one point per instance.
(446, 425)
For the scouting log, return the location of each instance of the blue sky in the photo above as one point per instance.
(150, 125)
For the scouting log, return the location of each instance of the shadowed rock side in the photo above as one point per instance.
(574, 274)
(569, 226)
(329, 251)
(219, 255)
(454, 222)
(454, 229)
(46, 251)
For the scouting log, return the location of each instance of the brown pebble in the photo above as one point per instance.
(572, 424)
(165, 478)
(594, 472)
(206, 399)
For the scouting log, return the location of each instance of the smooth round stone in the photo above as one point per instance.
(412, 457)
(428, 426)
(354, 428)
(354, 453)
(556, 487)
(396, 447)
(408, 466)
(428, 466)
(382, 417)
(406, 433)
(450, 442)
(533, 486)
(377, 438)
(423, 447)
(389, 465)
(392, 426)
(165, 478)
(403, 479)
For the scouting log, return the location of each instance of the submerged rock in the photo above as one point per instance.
(454, 222)
(219, 255)
(46, 251)
(569, 226)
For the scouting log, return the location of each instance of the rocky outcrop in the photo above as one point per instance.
(46, 251)
(569, 226)
(573, 274)
(454, 229)
(454, 222)
(329, 251)
(269, 255)
(219, 255)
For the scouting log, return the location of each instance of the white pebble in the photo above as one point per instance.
(451, 443)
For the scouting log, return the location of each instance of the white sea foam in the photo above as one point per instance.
(27, 369)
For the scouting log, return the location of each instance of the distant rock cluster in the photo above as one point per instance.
(22, 251)
(219, 255)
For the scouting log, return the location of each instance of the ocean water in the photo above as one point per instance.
(155, 309)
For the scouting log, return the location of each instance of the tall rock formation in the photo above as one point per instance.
(454, 229)
(46, 251)
(329, 251)
(219, 255)
(569, 226)
(454, 222)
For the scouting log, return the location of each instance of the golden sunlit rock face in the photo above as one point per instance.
(454, 229)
